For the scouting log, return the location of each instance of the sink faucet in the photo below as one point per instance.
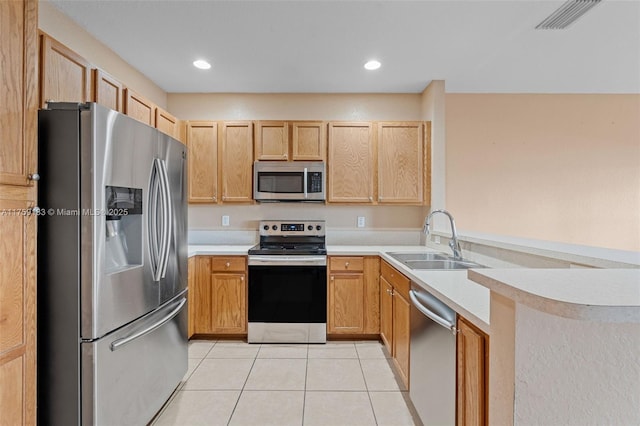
(453, 243)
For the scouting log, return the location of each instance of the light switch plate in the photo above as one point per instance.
(225, 220)
(361, 222)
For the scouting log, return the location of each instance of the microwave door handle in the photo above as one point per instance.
(305, 183)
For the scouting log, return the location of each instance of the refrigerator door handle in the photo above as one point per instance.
(154, 237)
(167, 219)
(117, 344)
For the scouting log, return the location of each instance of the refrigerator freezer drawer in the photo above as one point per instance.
(128, 375)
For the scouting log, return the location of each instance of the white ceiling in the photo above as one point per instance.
(321, 46)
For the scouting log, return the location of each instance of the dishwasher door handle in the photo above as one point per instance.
(431, 315)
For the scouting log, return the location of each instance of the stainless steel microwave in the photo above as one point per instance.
(289, 181)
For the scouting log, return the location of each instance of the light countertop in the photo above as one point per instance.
(603, 295)
(466, 297)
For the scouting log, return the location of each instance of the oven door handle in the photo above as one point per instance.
(278, 260)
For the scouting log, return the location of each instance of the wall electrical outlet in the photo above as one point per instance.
(225, 220)
(436, 239)
(361, 222)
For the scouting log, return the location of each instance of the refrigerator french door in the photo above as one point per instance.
(112, 267)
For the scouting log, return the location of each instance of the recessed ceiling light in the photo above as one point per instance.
(202, 64)
(372, 65)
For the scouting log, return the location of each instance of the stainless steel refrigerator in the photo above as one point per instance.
(112, 267)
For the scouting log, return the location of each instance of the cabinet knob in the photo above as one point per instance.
(346, 264)
(332, 277)
(241, 278)
(227, 265)
(215, 198)
(370, 198)
(34, 177)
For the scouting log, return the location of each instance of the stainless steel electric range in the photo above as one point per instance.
(288, 283)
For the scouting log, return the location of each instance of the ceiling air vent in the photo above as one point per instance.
(566, 14)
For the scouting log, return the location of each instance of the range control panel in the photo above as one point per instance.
(306, 228)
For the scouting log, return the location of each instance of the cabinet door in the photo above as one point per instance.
(236, 165)
(386, 314)
(371, 295)
(350, 164)
(309, 141)
(191, 282)
(401, 162)
(229, 303)
(18, 91)
(65, 76)
(346, 303)
(108, 91)
(471, 375)
(272, 140)
(401, 331)
(17, 313)
(138, 107)
(202, 297)
(167, 123)
(202, 140)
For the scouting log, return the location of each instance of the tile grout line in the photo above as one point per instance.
(366, 386)
(235, 406)
(304, 394)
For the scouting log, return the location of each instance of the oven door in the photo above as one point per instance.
(287, 299)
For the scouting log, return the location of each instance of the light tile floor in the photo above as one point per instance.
(339, 383)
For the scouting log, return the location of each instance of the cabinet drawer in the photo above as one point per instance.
(226, 263)
(342, 263)
(395, 278)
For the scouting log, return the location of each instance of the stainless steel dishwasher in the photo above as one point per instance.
(432, 369)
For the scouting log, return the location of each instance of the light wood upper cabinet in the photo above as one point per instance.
(18, 91)
(220, 296)
(309, 141)
(297, 141)
(140, 108)
(272, 140)
(17, 313)
(472, 359)
(401, 162)
(65, 76)
(167, 123)
(108, 91)
(236, 163)
(202, 140)
(350, 163)
(353, 302)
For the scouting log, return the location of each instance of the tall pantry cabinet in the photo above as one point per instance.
(18, 195)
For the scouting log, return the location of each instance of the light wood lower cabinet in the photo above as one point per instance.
(191, 283)
(17, 312)
(353, 303)
(394, 317)
(220, 295)
(472, 374)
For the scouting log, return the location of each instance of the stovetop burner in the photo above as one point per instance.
(286, 237)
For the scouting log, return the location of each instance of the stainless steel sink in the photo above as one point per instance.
(441, 264)
(433, 261)
(411, 257)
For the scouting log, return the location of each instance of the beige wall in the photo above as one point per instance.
(294, 106)
(300, 107)
(67, 32)
(552, 167)
(433, 110)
